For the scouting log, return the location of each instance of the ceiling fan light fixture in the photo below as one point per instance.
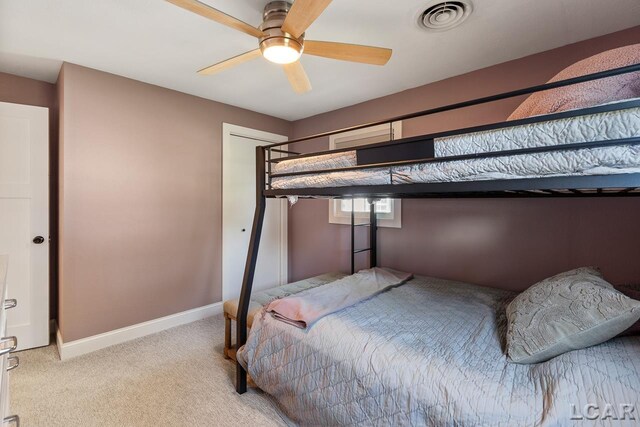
(282, 38)
(281, 50)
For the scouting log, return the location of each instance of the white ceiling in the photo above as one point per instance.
(159, 43)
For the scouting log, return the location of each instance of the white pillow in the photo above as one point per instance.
(569, 311)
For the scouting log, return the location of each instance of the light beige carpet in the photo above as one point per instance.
(173, 378)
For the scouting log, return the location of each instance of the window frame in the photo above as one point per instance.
(336, 214)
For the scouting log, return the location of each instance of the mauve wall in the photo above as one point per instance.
(21, 90)
(496, 242)
(141, 217)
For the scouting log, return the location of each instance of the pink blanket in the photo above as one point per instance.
(304, 309)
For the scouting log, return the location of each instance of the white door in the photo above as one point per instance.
(24, 219)
(238, 205)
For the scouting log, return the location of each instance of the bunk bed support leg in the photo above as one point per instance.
(373, 235)
(250, 268)
(353, 238)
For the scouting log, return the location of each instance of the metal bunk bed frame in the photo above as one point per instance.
(420, 150)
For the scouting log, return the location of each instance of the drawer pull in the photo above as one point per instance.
(10, 303)
(12, 363)
(12, 419)
(6, 340)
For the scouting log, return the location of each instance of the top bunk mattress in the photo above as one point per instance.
(609, 125)
(603, 126)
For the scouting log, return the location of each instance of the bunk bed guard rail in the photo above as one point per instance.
(265, 157)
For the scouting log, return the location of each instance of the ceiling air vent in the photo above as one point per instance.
(444, 15)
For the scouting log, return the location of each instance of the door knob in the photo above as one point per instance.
(38, 239)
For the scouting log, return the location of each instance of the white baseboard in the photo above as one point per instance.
(82, 346)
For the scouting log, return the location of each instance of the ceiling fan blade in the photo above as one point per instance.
(236, 60)
(348, 52)
(214, 14)
(302, 15)
(297, 77)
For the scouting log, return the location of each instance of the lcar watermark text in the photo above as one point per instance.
(607, 411)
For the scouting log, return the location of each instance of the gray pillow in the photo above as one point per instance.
(569, 311)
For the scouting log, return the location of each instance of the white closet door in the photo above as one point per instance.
(24, 219)
(239, 197)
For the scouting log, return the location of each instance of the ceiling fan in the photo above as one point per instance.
(281, 38)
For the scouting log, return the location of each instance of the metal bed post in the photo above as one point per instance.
(373, 231)
(250, 267)
(353, 237)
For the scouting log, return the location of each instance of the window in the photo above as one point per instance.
(389, 210)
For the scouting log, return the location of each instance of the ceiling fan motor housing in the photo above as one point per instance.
(273, 16)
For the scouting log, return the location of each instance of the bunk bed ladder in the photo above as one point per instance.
(373, 231)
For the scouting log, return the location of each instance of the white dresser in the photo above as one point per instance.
(8, 362)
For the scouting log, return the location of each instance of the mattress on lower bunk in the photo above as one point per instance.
(595, 127)
(430, 352)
